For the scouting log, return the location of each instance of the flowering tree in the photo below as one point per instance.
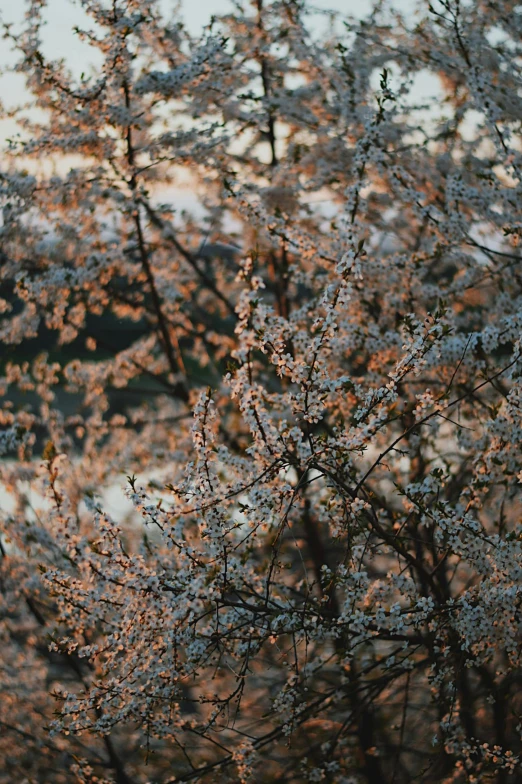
(311, 382)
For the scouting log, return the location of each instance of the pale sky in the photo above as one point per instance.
(63, 15)
(60, 41)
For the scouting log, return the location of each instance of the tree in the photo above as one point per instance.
(311, 382)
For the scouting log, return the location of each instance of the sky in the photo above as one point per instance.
(63, 15)
(60, 41)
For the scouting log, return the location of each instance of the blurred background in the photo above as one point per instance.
(63, 15)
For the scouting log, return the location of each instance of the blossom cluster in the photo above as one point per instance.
(260, 458)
